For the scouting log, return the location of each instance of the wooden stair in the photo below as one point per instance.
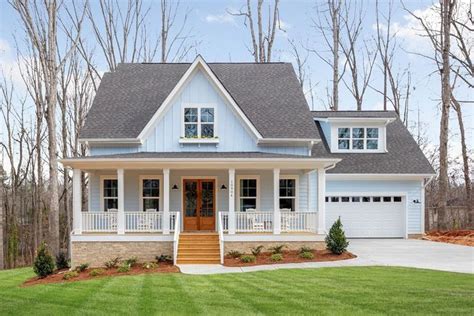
(200, 248)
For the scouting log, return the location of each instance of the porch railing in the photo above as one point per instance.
(136, 222)
(176, 238)
(99, 221)
(254, 222)
(298, 222)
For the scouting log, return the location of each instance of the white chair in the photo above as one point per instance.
(255, 222)
(286, 219)
(113, 219)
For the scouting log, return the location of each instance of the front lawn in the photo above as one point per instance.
(354, 290)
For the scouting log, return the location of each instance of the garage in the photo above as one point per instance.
(368, 216)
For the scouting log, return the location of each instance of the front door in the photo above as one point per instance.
(199, 199)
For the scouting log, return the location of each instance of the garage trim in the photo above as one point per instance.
(359, 193)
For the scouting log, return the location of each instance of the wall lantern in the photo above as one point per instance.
(223, 187)
(175, 187)
(416, 201)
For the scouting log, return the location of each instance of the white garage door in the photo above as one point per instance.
(368, 216)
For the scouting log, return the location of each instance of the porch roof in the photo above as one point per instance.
(192, 160)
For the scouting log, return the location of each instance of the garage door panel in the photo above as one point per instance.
(368, 219)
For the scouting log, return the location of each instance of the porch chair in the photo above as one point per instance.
(113, 220)
(255, 222)
(286, 220)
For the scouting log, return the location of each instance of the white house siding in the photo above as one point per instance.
(412, 188)
(132, 194)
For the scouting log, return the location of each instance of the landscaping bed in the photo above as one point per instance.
(58, 276)
(290, 256)
(459, 237)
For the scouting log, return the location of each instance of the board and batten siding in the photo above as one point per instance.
(229, 127)
(412, 188)
(132, 194)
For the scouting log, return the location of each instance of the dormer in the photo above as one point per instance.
(355, 134)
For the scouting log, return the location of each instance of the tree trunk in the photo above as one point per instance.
(335, 51)
(446, 15)
(2, 266)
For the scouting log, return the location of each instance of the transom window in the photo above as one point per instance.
(358, 138)
(110, 194)
(288, 194)
(248, 194)
(150, 195)
(199, 122)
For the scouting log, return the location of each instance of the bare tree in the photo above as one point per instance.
(40, 23)
(262, 40)
(328, 24)
(358, 53)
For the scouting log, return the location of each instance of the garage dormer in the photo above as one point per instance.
(355, 134)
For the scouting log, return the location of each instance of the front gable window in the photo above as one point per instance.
(358, 138)
(199, 122)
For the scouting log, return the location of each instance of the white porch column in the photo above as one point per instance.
(77, 201)
(231, 219)
(321, 201)
(121, 202)
(166, 202)
(276, 202)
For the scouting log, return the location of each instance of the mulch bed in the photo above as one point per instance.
(459, 237)
(57, 277)
(291, 256)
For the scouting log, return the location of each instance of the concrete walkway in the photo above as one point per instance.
(373, 252)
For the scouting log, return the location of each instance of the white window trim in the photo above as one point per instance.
(140, 190)
(101, 188)
(297, 191)
(244, 177)
(382, 143)
(199, 139)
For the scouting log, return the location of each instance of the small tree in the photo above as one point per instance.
(336, 239)
(44, 262)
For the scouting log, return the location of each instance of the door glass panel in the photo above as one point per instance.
(190, 200)
(207, 199)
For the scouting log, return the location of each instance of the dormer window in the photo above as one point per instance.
(199, 122)
(358, 138)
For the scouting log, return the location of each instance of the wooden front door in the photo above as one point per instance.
(199, 204)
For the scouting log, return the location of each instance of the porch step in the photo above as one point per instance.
(198, 248)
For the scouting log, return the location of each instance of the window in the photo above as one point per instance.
(110, 194)
(344, 199)
(248, 194)
(356, 199)
(358, 138)
(387, 199)
(397, 199)
(366, 199)
(334, 199)
(199, 122)
(376, 199)
(288, 194)
(150, 194)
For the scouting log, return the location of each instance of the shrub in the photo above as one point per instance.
(276, 257)
(247, 258)
(234, 254)
(278, 249)
(257, 250)
(81, 268)
(123, 268)
(44, 262)
(96, 272)
(131, 261)
(336, 239)
(149, 265)
(305, 249)
(70, 274)
(114, 263)
(164, 258)
(306, 255)
(62, 262)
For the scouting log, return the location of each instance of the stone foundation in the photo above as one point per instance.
(415, 236)
(246, 246)
(97, 253)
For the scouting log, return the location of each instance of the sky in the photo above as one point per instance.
(222, 37)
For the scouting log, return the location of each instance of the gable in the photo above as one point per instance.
(166, 132)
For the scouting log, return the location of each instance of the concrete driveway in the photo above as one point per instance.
(414, 253)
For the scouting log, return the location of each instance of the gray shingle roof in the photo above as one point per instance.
(403, 157)
(269, 95)
(197, 155)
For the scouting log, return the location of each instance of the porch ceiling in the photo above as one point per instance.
(198, 160)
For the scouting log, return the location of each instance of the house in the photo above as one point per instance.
(195, 160)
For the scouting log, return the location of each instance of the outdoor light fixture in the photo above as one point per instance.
(223, 187)
(175, 187)
(416, 201)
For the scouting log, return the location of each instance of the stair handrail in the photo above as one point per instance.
(220, 229)
(177, 229)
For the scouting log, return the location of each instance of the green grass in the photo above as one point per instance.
(355, 290)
